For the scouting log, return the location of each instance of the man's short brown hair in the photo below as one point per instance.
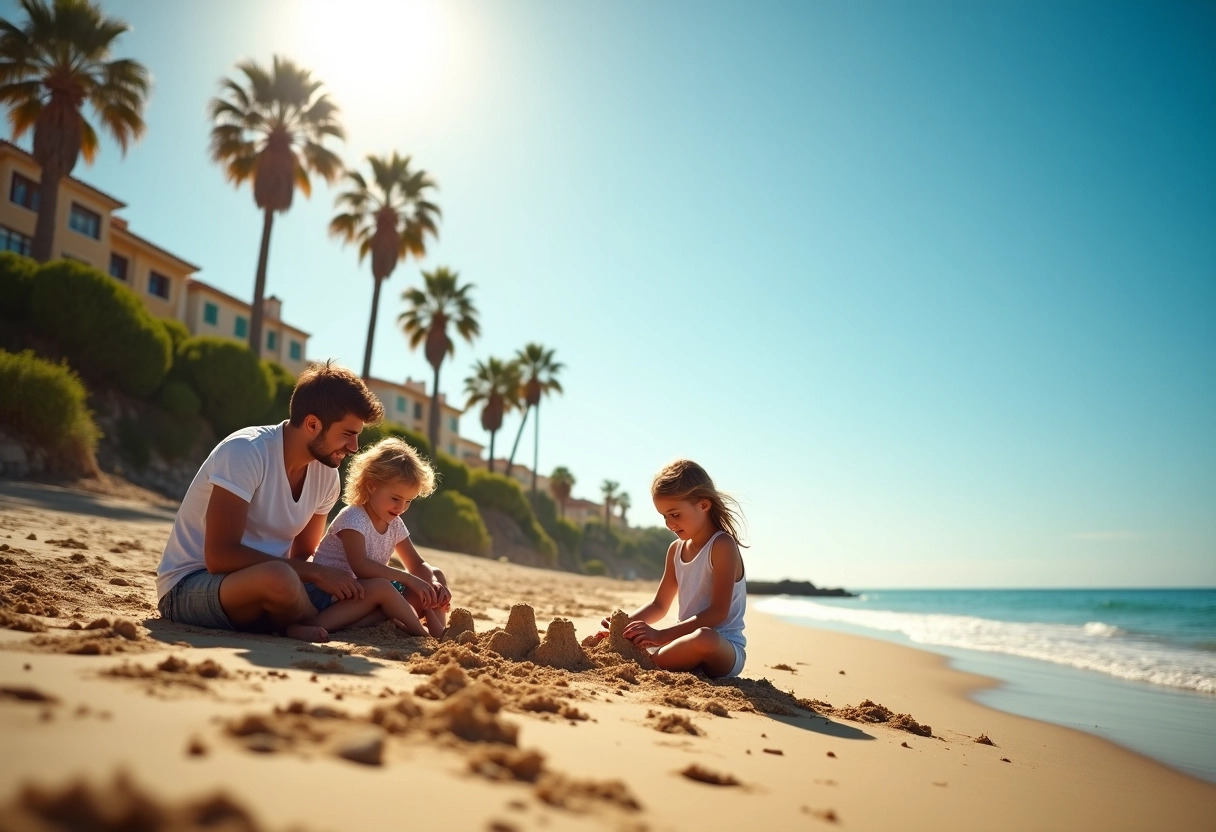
(331, 392)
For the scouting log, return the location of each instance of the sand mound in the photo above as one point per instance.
(869, 711)
(118, 807)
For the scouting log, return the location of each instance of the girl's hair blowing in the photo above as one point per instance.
(686, 480)
(389, 460)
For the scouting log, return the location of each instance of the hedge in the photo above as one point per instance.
(16, 284)
(453, 473)
(280, 399)
(448, 520)
(374, 433)
(101, 325)
(45, 402)
(496, 491)
(232, 384)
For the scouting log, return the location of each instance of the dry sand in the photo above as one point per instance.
(113, 719)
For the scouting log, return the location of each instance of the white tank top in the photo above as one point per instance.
(694, 582)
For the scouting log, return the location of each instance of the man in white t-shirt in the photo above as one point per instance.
(237, 558)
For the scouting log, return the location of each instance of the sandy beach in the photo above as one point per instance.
(109, 715)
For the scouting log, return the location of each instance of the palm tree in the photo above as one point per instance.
(49, 67)
(270, 133)
(624, 504)
(427, 318)
(388, 217)
(608, 488)
(496, 383)
(561, 483)
(540, 378)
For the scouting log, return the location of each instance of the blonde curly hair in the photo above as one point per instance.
(389, 460)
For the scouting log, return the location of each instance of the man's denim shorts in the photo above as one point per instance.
(195, 599)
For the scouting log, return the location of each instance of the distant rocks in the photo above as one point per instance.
(788, 587)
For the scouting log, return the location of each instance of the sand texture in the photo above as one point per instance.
(515, 720)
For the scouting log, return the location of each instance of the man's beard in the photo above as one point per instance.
(317, 449)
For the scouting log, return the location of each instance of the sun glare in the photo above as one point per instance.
(375, 55)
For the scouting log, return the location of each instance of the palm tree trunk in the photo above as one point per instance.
(492, 451)
(519, 433)
(535, 449)
(371, 330)
(48, 209)
(259, 285)
(433, 421)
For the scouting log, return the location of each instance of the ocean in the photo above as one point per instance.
(1136, 666)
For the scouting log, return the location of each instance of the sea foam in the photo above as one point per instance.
(1095, 646)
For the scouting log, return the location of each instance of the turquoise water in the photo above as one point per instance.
(1137, 666)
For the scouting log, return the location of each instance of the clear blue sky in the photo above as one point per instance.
(929, 286)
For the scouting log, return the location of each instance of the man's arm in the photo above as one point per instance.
(223, 551)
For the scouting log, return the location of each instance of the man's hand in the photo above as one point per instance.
(338, 583)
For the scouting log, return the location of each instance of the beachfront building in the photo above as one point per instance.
(408, 403)
(88, 231)
(212, 312)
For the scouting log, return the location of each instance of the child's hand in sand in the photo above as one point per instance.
(642, 634)
(421, 593)
(443, 596)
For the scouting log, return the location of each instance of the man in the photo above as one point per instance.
(238, 555)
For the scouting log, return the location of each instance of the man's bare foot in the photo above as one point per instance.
(306, 633)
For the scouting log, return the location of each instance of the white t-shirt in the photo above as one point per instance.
(379, 547)
(249, 463)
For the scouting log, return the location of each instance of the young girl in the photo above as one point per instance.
(704, 571)
(381, 482)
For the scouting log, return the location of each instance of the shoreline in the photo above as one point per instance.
(189, 712)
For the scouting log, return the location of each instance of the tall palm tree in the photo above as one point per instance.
(270, 132)
(608, 488)
(624, 504)
(49, 67)
(427, 318)
(539, 379)
(495, 382)
(389, 217)
(561, 483)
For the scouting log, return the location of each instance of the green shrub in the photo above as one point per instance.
(594, 567)
(179, 399)
(448, 520)
(496, 491)
(45, 402)
(16, 285)
(280, 399)
(177, 332)
(453, 474)
(231, 382)
(374, 433)
(569, 539)
(101, 325)
(134, 441)
(174, 437)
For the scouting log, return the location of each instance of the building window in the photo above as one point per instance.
(401, 403)
(118, 267)
(84, 221)
(241, 328)
(211, 313)
(10, 240)
(452, 449)
(417, 410)
(295, 350)
(272, 341)
(24, 192)
(453, 424)
(158, 285)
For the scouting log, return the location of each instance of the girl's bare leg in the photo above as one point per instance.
(435, 622)
(703, 648)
